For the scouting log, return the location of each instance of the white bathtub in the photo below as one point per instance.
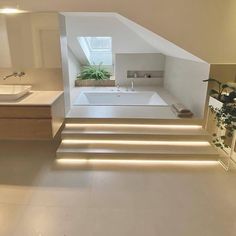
(115, 98)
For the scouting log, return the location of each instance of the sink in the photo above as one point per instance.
(13, 92)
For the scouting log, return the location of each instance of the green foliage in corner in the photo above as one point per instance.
(225, 120)
(225, 117)
(94, 72)
(222, 88)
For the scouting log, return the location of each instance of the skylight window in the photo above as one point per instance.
(97, 49)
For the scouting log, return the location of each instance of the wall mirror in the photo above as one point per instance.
(30, 40)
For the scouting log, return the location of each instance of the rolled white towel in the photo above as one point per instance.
(185, 114)
(180, 108)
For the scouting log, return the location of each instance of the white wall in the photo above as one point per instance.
(183, 79)
(65, 64)
(5, 58)
(74, 69)
(139, 62)
(40, 79)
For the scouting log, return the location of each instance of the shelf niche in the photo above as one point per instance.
(138, 74)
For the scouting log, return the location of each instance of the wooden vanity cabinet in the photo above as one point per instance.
(31, 122)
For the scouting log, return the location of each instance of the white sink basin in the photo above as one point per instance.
(13, 92)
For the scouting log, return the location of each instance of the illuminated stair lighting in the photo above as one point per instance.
(136, 142)
(71, 125)
(137, 162)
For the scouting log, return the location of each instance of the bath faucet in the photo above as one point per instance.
(15, 74)
(118, 87)
(132, 85)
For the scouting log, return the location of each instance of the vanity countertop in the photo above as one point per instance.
(35, 98)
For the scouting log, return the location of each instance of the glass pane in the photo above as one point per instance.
(98, 50)
(99, 43)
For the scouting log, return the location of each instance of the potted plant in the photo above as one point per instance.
(223, 107)
(224, 93)
(226, 121)
(94, 75)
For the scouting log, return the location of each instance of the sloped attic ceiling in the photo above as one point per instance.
(159, 43)
(124, 39)
(128, 36)
(205, 28)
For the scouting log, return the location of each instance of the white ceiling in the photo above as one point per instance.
(128, 37)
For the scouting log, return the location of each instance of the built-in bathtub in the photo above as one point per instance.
(119, 98)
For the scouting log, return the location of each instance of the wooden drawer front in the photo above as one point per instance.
(25, 112)
(25, 129)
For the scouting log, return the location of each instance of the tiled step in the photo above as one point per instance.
(192, 121)
(137, 148)
(143, 139)
(105, 133)
(156, 151)
(131, 152)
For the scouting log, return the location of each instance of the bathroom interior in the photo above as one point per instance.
(148, 71)
(122, 153)
(150, 82)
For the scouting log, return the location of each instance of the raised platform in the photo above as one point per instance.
(135, 139)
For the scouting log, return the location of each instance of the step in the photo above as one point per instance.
(138, 148)
(134, 134)
(160, 153)
(180, 121)
(132, 139)
(134, 128)
(67, 148)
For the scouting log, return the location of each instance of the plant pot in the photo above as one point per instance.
(94, 83)
(228, 141)
(215, 103)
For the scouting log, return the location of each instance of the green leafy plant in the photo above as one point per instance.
(220, 94)
(225, 116)
(94, 72)
(225, 120)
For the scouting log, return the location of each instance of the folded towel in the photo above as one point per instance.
(188, 114)
(185, 115)
(180, 108)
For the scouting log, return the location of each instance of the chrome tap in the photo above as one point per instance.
(15, 74)
(118, 87)
(132, 85)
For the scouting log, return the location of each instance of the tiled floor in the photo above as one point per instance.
(39, 198)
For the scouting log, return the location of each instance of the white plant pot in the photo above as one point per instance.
(215, 103)
(232, 150)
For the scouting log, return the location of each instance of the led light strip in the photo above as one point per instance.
(11, 11)
(137, 162)
(71, 125)
(136, 142)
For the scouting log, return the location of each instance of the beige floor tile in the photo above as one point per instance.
(119, 181)
(43, 221)
(64, 178)
(10, 214)
(111, 200)
(15, 194)
(114, 222)
(60, 197)
(39, 199)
